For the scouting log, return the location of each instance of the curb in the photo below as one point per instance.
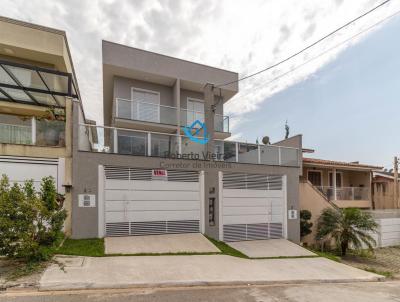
(171, 284)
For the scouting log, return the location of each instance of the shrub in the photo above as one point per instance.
(305, 225)
(347, 227)
(30, 222)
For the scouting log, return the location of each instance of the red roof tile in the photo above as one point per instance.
(307, 160)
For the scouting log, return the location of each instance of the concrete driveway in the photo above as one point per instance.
(159, 244)
(270, 248)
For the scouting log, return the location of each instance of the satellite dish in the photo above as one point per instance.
(265, 140)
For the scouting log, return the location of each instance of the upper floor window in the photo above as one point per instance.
(144, 105)
(195, 111)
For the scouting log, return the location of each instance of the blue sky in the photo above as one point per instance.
(348, 110)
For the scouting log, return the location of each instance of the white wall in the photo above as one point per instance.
(388, 232)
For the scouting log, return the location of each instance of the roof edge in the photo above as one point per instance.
(168, 56)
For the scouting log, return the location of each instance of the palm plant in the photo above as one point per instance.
(347, 227)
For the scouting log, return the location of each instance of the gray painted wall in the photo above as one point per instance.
(122, 89)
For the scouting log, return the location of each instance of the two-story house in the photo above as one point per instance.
(152, 168)
(37, 88)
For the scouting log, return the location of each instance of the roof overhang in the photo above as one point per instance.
(26, 84)
(341, 166)
(42, 53)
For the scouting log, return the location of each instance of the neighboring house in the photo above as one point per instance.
(383, 191)
(140, 174)
(328, 183)
(37, 86)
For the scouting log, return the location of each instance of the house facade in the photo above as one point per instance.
(160, 163)
(383, 191)
(334, 184)
(37, 89)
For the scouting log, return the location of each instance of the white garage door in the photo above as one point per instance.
(21, 169)
(253, 206)
(138, 202)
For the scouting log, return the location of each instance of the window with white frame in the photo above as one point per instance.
(195, 111)
(144, 105)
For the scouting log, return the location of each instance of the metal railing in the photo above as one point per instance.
(144, 143)
(46, 133)
(162, 114)
(345, 193)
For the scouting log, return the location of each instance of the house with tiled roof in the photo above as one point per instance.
(383, 190)
(329, 183)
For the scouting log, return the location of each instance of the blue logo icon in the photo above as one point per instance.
(197, 126)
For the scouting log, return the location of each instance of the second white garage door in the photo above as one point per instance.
(138, 202)
(253, 207)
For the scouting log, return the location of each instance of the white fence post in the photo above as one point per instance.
(179, 144)
(33, 130)
(279, 156)
(115, 140)
(237, 151)
(148, 144)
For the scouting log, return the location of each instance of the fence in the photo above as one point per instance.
(388, 227)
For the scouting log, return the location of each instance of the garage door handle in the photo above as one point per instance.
(126, 210)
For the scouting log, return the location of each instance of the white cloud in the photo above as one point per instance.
(239, 35)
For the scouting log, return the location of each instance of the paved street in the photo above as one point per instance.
(327, 292)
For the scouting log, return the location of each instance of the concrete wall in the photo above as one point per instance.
(123, 86)
(312, 200)
(35, 43)
(383, 194)
(85, 180)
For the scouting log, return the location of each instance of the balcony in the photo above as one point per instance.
(347, 196)
(30, 131)
(167, 115)
(144, 143)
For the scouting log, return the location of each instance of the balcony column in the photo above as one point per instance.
(209, 111)
(334, 184)
(177, 104)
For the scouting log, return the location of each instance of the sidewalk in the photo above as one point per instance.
(157, 271)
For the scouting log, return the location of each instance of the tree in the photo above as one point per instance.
(347, 227)
(30, 221)
(305, 225)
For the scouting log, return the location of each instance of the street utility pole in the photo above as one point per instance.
(395, 183)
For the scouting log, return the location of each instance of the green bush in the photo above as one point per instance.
(305, 224)
(30, 222)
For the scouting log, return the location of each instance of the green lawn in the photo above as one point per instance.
(226, 249)
(82, 247)
(95, 248)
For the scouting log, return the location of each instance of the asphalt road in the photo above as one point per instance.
(350, 292)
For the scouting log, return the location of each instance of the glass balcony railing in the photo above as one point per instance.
(345, 193)
(221, 122)
(29, 131)
(156, 113)
(143, 143)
